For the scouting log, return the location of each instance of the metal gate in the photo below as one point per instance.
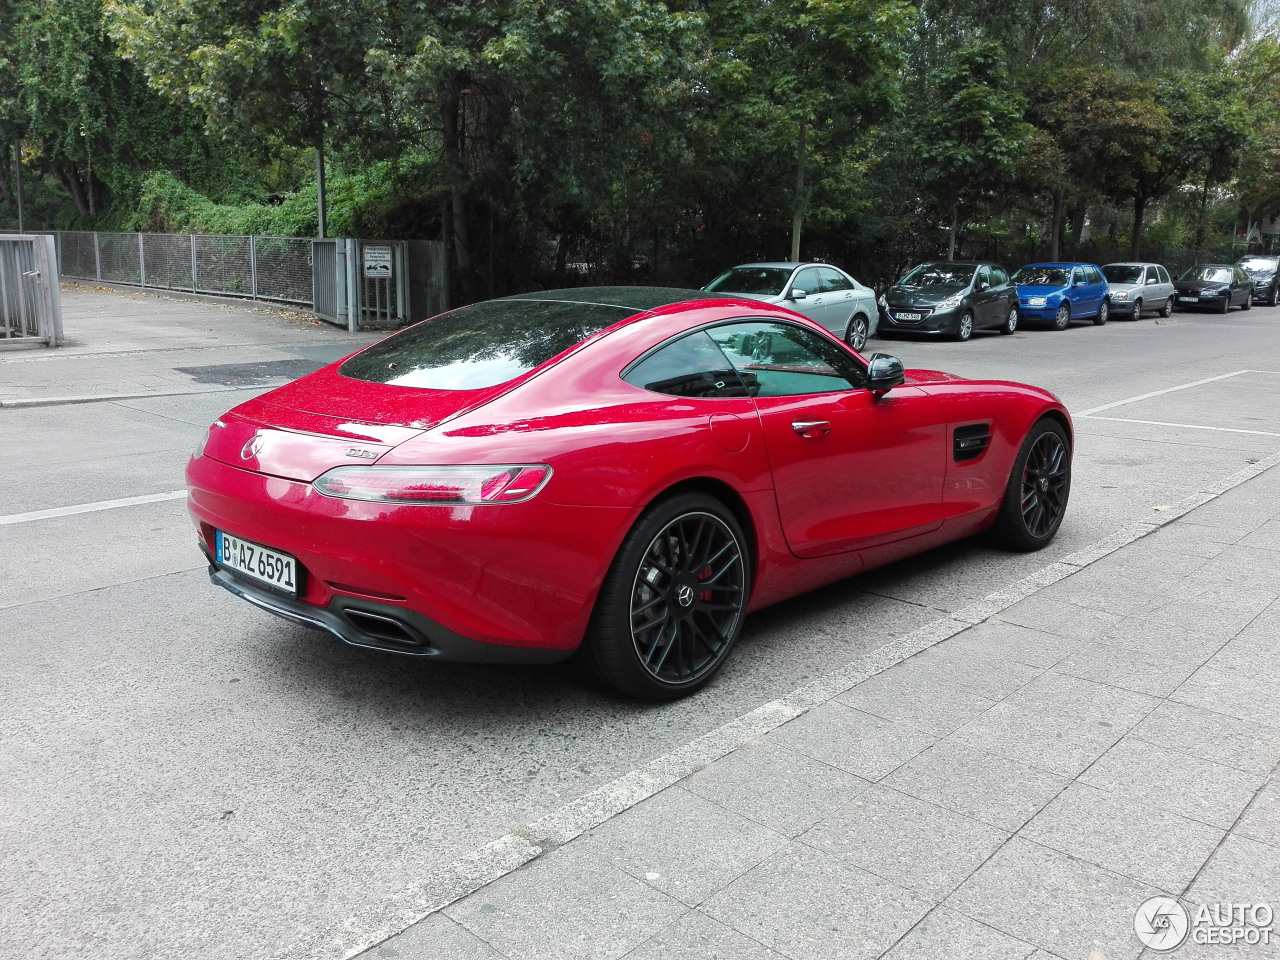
(361, 283)
(30, 308)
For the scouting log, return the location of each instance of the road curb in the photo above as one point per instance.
(494, 860)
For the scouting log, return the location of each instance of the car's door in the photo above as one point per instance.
(1097, 287)
(1007, 298)
(813, 302)
(838, 292)
(850, 469)
(1241, 286)
(987, 299)
(1078, 293)
(1166, 284)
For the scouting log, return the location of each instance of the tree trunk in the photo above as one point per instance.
(1139, 209)
(1078, 213)
(562, 255)
(322, 226)
(458, 194)
(955, 225)
(797, 218)
(1200, 215)
(1059, 212)
(70, 179)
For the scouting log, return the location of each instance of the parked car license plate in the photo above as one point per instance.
(907, 316)
(276, 569)
(1189, 299)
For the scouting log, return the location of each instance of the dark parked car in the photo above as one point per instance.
(950, 298)
(1062, 292)
(1214, 286)
(1263, 270)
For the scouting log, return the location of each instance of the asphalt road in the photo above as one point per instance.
(182, 775)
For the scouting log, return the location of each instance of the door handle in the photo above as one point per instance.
(811, 428)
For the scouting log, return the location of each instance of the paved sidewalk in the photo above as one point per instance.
(1015, 791)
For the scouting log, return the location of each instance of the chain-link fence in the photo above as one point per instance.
(262, 268)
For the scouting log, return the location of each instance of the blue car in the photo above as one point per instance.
(1062, 292)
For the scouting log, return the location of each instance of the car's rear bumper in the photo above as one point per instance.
(518, 578)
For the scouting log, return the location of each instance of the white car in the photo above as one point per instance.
(1139, 286)
(823, 293)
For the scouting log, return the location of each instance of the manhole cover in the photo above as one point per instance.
(251, 374)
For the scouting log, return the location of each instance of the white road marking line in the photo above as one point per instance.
(1158, 393)
(1186, 426)
(90, 507)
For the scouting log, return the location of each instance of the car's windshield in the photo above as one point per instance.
(1122, 273)
(938, 275)
(481, 345)
(766, 281)
(1042, 276)
(1258, 266)
(1208, 273)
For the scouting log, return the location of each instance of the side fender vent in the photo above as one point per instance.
(972, 441)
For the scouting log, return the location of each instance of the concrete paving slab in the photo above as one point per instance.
(683, 845)
(1231, 692)
(913, 696)
(813, 906)
(435, 938)
(913, 843)
(1142, 671)
(946, 933)
(1261, 820)
(997, 639)
(1054, 901)
(1124, 836)
(850, 740)
(785, 791)
(1061, 745)
(696, 936)
(1212, 736)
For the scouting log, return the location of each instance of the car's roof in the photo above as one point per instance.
(1225, 266)
(959, 263)
(1132, 263)
(1062, 263)
(638, 299)
(1259, 256)
(786, 264)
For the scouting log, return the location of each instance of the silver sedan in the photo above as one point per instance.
(823, 293)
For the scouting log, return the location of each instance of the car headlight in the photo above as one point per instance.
(439, 485)
(1037, 301)
(951, 302)
(1120, 295)
(884, 304)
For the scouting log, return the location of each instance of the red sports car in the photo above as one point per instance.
(618, 472)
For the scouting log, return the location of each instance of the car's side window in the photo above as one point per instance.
(1095, 276)
(1077, 275)
(692, 366)
(833, 280)
(998, 277)
(984, 278)
(807, 280)
(786, 360)
(1164, 274)
(1150, 275)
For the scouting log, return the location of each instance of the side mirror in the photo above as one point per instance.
(796, 294)
(884, 373)
(982, 285)
(1152, 280)
(1080, 283)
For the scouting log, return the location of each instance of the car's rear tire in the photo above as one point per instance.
(673, 601)
(965, 328)
(856, 333)
(1167, 310)
(1035, 498)
(1010, 322)
(1104, 311)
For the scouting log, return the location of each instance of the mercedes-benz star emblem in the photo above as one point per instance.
(250, 449)
(684, 595)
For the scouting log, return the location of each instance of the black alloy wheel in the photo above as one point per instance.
(1104, 311)
(1010, 322)
(1137, 309)
(1167, 310)
(1248, 301)
(1039, 486)
(1226, 302)
(1062, 319)
(965, 330)
(856, 335)
(673, 602)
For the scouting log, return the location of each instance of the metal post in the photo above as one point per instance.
(97, 258)
(142, 262)
(354, 291)
(253, 266)
(4, 297)
(17, 157)
(194, 278)
(55, 294)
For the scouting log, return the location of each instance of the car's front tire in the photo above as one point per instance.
(1226, 304)
(673, 601)
(1137, 310)
(1062, 319)
(964, 330)
(1035, 497)
(856, 333)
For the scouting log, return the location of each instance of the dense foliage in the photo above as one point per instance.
(559, 141)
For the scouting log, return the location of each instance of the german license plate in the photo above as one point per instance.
(1189, 299)
(275, 569)
(907, 316)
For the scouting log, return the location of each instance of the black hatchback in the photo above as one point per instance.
(1263, 270)
(1214, 286)
(950, 298)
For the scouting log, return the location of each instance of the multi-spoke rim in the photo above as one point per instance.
(1063, 316)
(966, 326)
(687, 598)
(1044, 485)
(1011, 322)
(858, 333)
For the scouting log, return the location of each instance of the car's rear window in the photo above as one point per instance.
(481, 345)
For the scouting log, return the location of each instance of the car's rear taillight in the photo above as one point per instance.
(435, 485)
